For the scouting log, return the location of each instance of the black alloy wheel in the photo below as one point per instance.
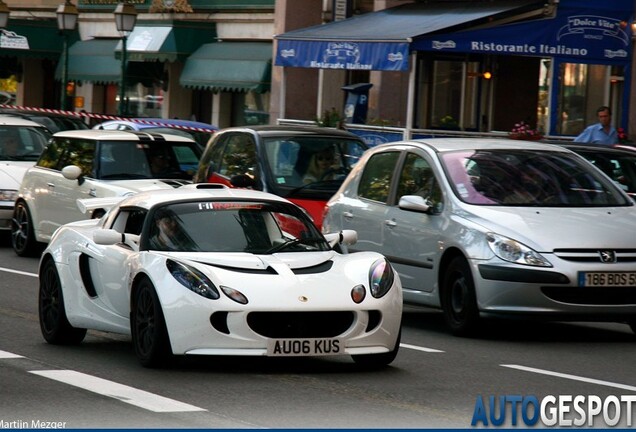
(53, 321)
(22, 235)
(148, 327)
(459, 301)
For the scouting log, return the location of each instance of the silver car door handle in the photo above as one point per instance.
(51, 185)
(347, 215)
(390, 223)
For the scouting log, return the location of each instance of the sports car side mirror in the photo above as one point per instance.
(344, 237)
(108, 237)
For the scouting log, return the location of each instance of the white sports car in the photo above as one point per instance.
(208, 270)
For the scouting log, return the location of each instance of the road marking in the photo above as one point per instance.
(129, 395)
(8, 355)
(419, 348)
(8, 270)
(572, 377)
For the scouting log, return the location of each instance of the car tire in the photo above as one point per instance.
(22, 234)
(376, 361)
(458, 298)
(148, 327)
(53, 321)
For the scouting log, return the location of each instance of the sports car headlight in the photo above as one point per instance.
(511, 250)
(192, 279)
(8, 194)
(380, 278)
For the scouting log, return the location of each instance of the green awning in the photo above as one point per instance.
(230, 66)
(33, 38)
(94, 61)
(167, 42)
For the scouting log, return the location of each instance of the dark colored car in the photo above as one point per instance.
(618, 163)
(53, 122)
(276, 159)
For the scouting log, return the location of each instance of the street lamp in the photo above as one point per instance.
(66, 22)
(4, 14)
(125, 17)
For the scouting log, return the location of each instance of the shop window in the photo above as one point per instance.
(8, 90)
(454, 95)
(583, 89)
(144, 101)
(250, 108)
(543, 101)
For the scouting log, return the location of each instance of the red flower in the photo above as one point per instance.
(524, 131)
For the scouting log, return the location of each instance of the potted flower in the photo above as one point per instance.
(523, 131)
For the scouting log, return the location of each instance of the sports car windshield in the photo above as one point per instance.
(529, 178)
(232, 226)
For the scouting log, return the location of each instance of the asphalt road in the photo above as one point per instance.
(435, 382)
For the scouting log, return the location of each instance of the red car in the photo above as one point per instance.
(306, 165)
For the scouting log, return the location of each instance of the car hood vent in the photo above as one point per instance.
(267, 270)
(320, 268)
(175, 183)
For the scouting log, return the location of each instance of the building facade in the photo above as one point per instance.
(474, 66)
(208, 60)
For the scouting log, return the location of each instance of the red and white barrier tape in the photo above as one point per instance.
(106, 117)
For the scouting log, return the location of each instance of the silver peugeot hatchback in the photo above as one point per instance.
(497, 227)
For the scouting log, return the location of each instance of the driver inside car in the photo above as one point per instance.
(321, 166)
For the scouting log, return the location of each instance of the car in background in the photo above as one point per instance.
(481, 227)
(618, 163)
(21, 142)
(250, 276)
(198, 131)
(54, 122)
(276, 159)
(94, 164)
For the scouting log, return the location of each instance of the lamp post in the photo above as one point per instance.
(125, 18)
(4, 14)
(66, 21)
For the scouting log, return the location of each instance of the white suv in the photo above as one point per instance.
(94, 164)
(21, 142)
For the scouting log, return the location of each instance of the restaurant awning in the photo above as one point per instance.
(167, 42)
(33, 38)
(381, 40)
(94, 61)
(229, 66)
(583, 31)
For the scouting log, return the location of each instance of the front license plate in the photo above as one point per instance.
(606, 279)
(304, 347)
